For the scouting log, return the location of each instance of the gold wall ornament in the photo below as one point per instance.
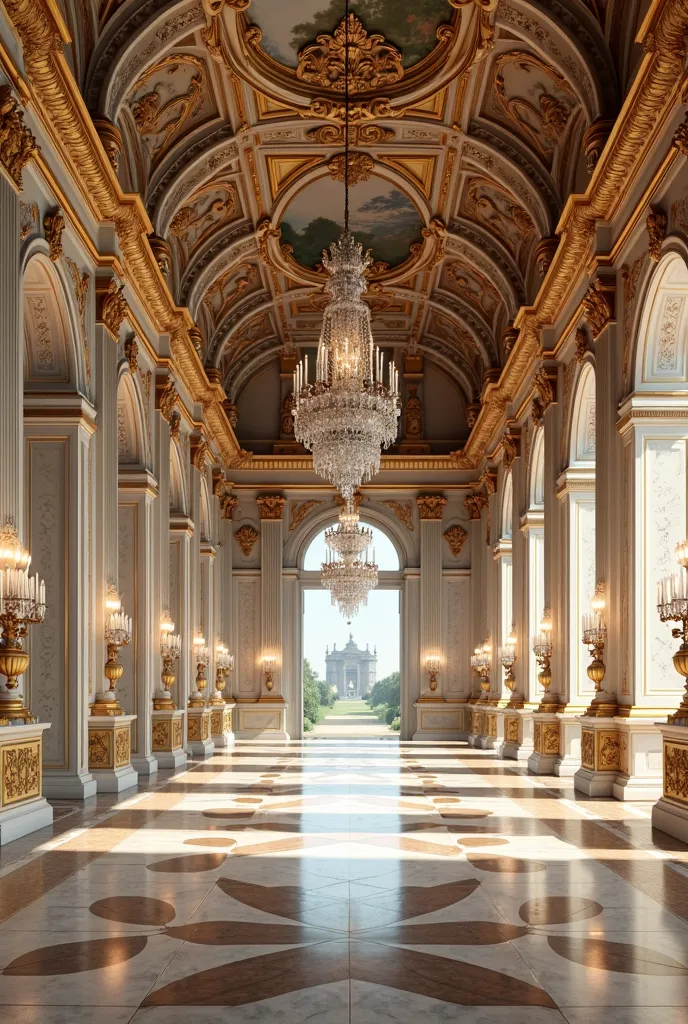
(511, 446)
(122, 746)
(581, 345)
(545, 251)
(543, 385)
(246, 537)
(543, 122)
(511, 730)
(455, 537)
(372, 62)
(431, 506)
(402, 510)
(113, 306)
(53, 225)
(111, 139)
(509, 339)
(28, 219)
(166, 396)
(598, 305)
(488, 481)
(21, 772)
(588, 749)
(271, 506)
(299, 511)
(680, 139)
(656, 229)
(161, 118)
(474, 504)
(359, 134)
(100, 748)
(595, 139)
(201, 454)
(361, 166)
(131, 354)
(17, 144)
(175, 424)
(162, 736)
(228, 505)
(162, 253)
(80, 280)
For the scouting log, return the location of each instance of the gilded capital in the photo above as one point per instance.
(431, 506)
(166, 396)
(271, 506)
(112, 307)
(475, 503)
(17, 144)
(228, 505)
(200, 453)
(599, 306)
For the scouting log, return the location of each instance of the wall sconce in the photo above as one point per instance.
(481, 663)
(118, 633)
(224, 664)
(22, 604)
(269, 670)
(542, 649)
(507, 656)
(595, 637)
(170, 650)
(432, 663)
(672, 606)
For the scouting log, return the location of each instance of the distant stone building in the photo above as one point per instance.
(351, 670)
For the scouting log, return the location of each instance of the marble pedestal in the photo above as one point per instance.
(168, 737)
(670, 813)
(440, 720)
(264, 719)
(198, 739)
(518, 734)
(545, 743)
(23, 808)
(599, 756)
(569, 760)
(221, 724)
(493, 736)
(477, 729)
(640, 760)
(109, 752)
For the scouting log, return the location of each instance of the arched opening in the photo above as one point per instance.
(352, 667)
(533, 526)
(503, 556)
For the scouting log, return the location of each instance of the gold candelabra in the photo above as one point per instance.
(201, 657)
(543, 650)
(170, 650)
(224, 664)
(481, 663)
(22, 604)
(507, 656)
(672, 606)
(117, 634)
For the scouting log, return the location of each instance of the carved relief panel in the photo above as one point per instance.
(247, 675)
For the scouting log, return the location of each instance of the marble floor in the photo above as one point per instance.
(359, 881)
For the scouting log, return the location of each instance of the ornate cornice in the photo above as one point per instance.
(271, 506)
(431, 506)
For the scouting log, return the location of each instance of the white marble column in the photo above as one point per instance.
(11, 362)
(292, 654)
(141, 658)
(181, 531)
(58, 495)
(411, 681)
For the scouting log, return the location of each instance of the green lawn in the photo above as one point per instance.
(350, 707)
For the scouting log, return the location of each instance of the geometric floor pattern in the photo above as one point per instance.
(349, 882)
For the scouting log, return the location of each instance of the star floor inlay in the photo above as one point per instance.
(195, 901)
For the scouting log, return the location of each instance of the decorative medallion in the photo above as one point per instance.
(455, 537)
(361, 166)
(246, 537)
(372, 61)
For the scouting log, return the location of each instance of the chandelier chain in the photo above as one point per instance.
(346, 117)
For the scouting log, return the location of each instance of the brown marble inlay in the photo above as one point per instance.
(134, 910)
(505, 865)
(616, 956)
(246, 933)
(75, 957)
(218, 842)
(559, 909)
(190, 863)
(448, 933)
(486, 841)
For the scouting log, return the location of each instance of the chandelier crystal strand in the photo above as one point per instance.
(349, 573)
(351, 410)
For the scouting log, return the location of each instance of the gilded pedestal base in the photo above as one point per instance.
(221, 724)
(546, 743)
(670, 813)
(600, 756)
(198, 732)
(517, 744)
(23, 808)
(168, 737)
(440, 720)
(109, 753)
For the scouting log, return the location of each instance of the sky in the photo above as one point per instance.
(376, 625)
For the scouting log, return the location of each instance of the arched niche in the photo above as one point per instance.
(178, 498)
(536, 481)
(584, 420)
(662, 340)
(132, 443)
(54, 357)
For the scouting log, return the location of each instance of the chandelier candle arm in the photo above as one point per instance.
(672, 606)
(22, 604)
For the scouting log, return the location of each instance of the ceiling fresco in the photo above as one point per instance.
(470, 126)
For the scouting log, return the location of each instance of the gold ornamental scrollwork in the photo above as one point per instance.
(543, 385)
(246, 537)
(113, 307)
(361, 166)
(21, 772)
(474, 504)
(511, 446)
(200, 453)
(431, 506)
(599, 306)
(17, 144)
(455, 537)
(656, 230)
(372, 61)
(676, 771)
(402, 510)
(53, 225)
(299, 511)
(166, 396)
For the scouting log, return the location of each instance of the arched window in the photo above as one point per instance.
(386, 554)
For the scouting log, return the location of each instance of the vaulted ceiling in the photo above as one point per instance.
(470, 125)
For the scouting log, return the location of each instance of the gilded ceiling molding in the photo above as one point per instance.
(361, 166)
(551, 114)
(402, 510)
(373, 62)
(301, 509)
(656, 230)
(455, 537)
(359, 134)
(246, 537)
(17, 144)
(431, 506)
(53, 225)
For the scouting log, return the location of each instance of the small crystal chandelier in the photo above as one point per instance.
(351, 410)
(349, 573)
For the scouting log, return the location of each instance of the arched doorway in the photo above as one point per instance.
(351, 657)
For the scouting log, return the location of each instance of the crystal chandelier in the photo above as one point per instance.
(350, 412)
(349, 573)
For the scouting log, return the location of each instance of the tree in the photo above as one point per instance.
(386, 691)
(312, 708)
